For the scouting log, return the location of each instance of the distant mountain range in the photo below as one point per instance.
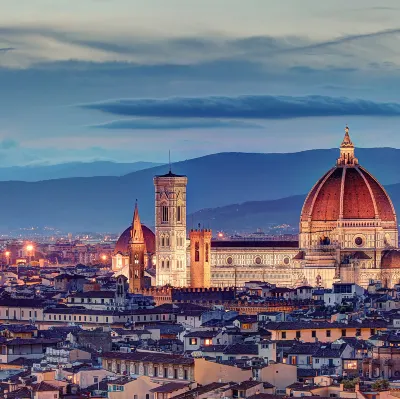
(71, 169)
(106, 203)
(269, 216)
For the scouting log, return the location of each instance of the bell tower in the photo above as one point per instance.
(200, 258)
(170, 223)
(137, 249)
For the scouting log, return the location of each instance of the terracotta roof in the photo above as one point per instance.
(170, 174)
(123, 241)
(330, 351)
(194, 393)
(246, 385)
(22, 393)
(121, 381)
(169, 387)
(201, 334)
(94, 294)
(360, 255)
(44, 387)
(264, 396)
(254, 243)
(390, 259)
(299, 256)
(352, 190)
(149, 357)
(241, 349)
(315, 325)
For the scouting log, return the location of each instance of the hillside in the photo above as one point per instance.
(71, 169)
(265, 215)
(106, 203)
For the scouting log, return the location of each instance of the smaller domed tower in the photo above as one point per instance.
(200, 262)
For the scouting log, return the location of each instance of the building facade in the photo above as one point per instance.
(348, 233)
(137, 253)
(170, 225)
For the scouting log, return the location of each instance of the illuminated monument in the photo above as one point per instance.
(347, 225)
(348, 233)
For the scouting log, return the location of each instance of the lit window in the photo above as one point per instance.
(350, 364)
(208, 341)
(193, 341)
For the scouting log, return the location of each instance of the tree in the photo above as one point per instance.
(380, 385)
(350, 384)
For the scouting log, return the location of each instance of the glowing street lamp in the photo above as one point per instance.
(7, 255)
(29, 249)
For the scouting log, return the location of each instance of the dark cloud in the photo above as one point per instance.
(252, 107)
(176, 124)
(5, 49)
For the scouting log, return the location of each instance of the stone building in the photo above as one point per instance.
(348, 233)
(137, 251)
(200, 255)
(170, 223)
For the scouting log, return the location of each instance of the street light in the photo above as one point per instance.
(7, 254)
(29, 249)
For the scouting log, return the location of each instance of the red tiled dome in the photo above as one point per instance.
(123, 241)
(347, 192)
(390, 259)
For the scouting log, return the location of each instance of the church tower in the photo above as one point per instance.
(170, 218)
(137, 249)
(200, 258)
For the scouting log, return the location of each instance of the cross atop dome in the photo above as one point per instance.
(347, 157)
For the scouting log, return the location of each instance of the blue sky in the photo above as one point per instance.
(127, 80)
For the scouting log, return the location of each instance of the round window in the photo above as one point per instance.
(286, 260)
(358, 241)
(229, 261)
(258, 260)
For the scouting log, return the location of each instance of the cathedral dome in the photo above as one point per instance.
(347, 192)
(123, 241)
(390, 259)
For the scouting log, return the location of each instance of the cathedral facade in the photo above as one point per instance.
(348, 232)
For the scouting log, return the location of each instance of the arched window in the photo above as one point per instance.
(164, 214)
(167, 241)
(162, 241)
(207, 251)
(196, 251)
(162, 264)
(167, 263)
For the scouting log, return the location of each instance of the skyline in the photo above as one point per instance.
(65, 71)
